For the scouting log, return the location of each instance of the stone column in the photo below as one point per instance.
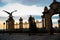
(59, 21)
(10, 23)
(6, 24)
(48, 22)
(49, 25)
(32, 24)
(43, 22)
(21, 23)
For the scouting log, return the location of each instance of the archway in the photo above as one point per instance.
(48, 13)
(55, 19)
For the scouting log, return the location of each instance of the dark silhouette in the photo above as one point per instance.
(59, 22)
(10, 21)
(10, 14)
(32, 24)
(21, 23)
(48, 13)
(46, 21)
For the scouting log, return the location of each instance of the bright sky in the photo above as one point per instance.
(21, 9)
(24, 7)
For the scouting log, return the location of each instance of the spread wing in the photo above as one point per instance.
(6, 11)
(13, 11)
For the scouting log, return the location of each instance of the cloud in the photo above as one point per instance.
(22, 10)
(2, 3)
(54, 20)
(29, 2)
(56, 16)
(7, 1)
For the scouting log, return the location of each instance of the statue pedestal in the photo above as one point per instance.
(10, 23)
(20, 23)
(32, 24)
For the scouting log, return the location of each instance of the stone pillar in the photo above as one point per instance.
(43, 22)
(32, 24)
(10, 23)
(59, 24)
(26, 25)
(21, 23)
(59, 21)
(30, 21)
(6, 24)
(44, 17)
(48, 23)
